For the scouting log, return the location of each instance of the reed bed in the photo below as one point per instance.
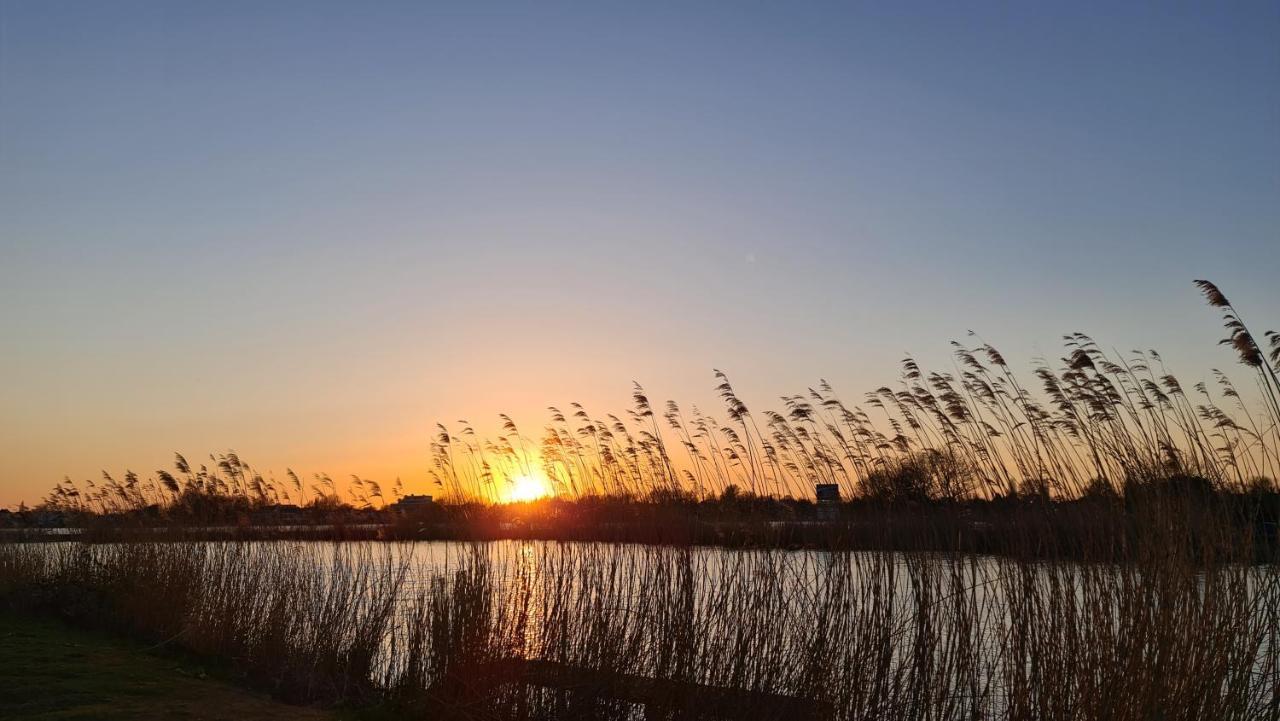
(1125, 587)
(1095, 423)
(875, 635)
(1098, 423)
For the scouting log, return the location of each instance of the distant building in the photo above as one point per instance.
(276, 514)
(827, 492)
(828, 495)
(410, 502)
(49, 519)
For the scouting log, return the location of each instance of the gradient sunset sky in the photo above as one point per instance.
(308, 231)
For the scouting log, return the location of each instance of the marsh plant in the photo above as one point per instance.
(864, 635)
(1168, 617)
(1097, 423)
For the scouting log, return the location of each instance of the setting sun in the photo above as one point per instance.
(528, 488)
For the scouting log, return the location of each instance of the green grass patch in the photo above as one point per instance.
(49, 670)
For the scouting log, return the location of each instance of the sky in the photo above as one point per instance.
(308, 231)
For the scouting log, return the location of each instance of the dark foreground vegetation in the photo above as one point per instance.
(1182, 630)
(1101, 549)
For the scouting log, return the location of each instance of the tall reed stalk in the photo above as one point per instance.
(1172, 634)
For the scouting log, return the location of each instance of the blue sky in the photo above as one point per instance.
(307, 231)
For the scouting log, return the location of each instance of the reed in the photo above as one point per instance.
(1130, 514)
(1100, 419)
(874, 635)
(1099, 422)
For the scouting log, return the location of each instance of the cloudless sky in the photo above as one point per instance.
(308, 231)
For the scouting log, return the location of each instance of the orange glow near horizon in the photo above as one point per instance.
(528, 488)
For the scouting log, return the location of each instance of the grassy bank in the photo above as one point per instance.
(49, 670)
